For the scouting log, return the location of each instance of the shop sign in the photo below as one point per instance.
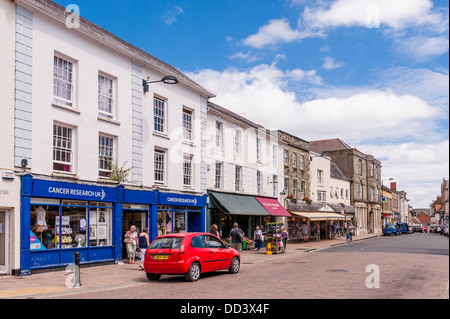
(72, 191)
(179, 199)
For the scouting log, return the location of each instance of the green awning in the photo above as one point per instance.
(238, 204)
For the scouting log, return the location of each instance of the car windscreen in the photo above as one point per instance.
(167, 243)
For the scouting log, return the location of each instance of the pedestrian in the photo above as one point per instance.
(305, 232)
(236, 237)
(350, 231)
(317, 231)
(144, 243)
(131, 242)
(214, 230)
(333, 231)
(258, 237)
(284, 237)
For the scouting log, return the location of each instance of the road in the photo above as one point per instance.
(414, 266)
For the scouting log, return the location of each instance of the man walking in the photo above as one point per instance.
(236, 237)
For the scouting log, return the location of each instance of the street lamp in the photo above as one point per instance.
(383, 199)
(168, 79)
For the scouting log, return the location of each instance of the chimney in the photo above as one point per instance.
(394, 186)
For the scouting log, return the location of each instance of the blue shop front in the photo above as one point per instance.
(61, 218)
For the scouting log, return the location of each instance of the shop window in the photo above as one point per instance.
(164, 220)
(43, 227)
(100, 224)
(73, 224)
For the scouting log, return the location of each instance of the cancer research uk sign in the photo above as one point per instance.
(180, 199)
(73, 191)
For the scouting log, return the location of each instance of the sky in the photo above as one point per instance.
(374, 73)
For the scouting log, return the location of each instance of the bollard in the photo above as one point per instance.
(77, 283)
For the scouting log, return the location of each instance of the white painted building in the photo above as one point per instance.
(80, 102)
(242, 157)
(328, 183)
(9, 181)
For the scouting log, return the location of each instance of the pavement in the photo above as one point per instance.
(100, 277)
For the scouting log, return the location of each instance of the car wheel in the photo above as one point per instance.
(193, 273)
(153, 277)
(235, 266)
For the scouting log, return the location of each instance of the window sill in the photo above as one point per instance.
(65, 175)
(158, 134)
(188, 142)
(106, 180)
(106, 119)
(65, 107)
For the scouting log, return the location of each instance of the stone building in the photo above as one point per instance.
(365, 172)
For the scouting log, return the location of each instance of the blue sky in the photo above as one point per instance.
(373, 73)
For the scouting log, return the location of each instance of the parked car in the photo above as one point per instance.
(391, 229)
(189, 254)
(403, 228)
(445, 231)
(410, 229)
(417, 228)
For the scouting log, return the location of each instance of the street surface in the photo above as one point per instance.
(410, 266)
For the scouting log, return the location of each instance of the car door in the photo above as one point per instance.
(200, 249)
(219, 253)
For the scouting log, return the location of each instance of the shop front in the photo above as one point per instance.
(248, 211)
(314, 215)
(61, 218)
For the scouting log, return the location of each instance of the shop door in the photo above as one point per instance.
(4, 245)
(137, 218)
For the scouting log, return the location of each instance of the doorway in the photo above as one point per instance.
(130, 217)
(4, 242)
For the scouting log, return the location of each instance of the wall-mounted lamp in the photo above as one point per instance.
(168, 79)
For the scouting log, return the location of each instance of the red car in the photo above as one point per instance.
(189, 254)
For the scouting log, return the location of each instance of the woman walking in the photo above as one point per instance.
(143, 245)
(131, 242)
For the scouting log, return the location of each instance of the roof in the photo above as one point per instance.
(233, 115)
(100, 35)
(334, 144)
(336, 172)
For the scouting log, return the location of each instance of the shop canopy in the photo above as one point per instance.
(320, 215)
(236, 204)
(273, 207)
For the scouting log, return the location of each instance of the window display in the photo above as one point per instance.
(66, 224)
(42, 226)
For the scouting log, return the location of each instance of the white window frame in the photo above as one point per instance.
(105, 154)
(274, 185)
(63, 147)
(238, 141)
(63, 80)
(286, 186)
(258, 149)
(187, 124)
(294, 188)
(159, 166)
(187, 170)
(218, 176)
(259, 182)
(286, 157)
(302, 162)
(321, 196)
(294, 159)
(106, 96)
(275, 155)
(238, 178)
(219, 135)
(159, 115)
(320, 177)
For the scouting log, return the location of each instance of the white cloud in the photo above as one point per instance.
(273, 32)
(422, 48)
(171, 15)
(247, 57)
(330, 63)
(398, 14)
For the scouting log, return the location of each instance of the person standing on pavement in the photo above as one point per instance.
(257, 237)
(214, 230)
(236, 237)
(350, 232)
(284, 237)
(143, 245)
(131, 242)
(305, 232)
(317, 231)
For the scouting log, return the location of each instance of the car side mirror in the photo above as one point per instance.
(227, 246)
